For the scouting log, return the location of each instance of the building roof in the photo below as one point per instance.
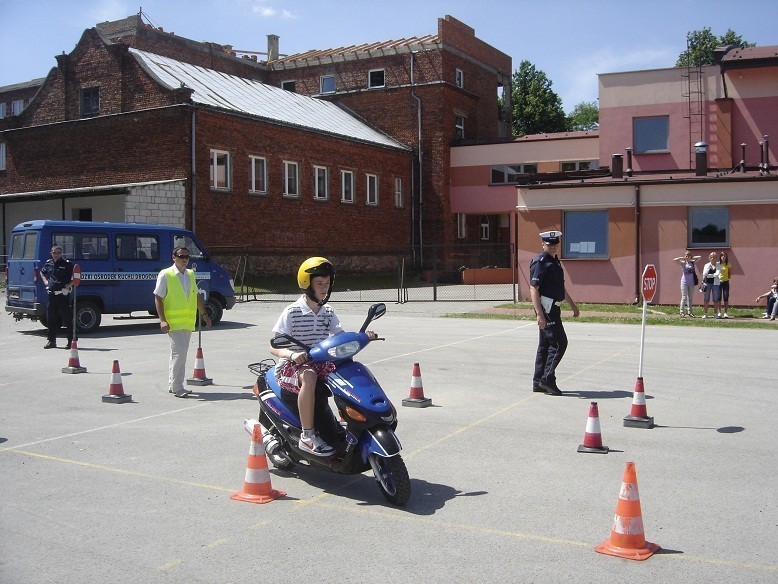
(229, 92)
(365, 50)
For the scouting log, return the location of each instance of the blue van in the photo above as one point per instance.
(119, 264)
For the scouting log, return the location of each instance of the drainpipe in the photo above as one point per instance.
(192, 171)
(421, 180)
(638, 273)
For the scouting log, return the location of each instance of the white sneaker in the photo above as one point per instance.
(315, 445)
(704, 316)
(725, 315)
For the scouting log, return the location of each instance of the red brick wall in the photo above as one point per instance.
(253, 222)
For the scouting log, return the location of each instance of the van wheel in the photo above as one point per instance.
(214, 309)
(87, 317)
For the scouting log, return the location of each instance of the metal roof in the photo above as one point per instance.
(238, 94)
(365, 50)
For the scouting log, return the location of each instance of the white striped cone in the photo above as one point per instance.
(116, 389)
(199, 377)
(256, 485)
(74, 366)
(592, 436)
(416, 396)
(638, 416)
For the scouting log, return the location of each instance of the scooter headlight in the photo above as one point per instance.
(344, 351)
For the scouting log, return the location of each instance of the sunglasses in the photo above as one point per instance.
(186, 257)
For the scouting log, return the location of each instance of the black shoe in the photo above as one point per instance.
(70, 343)
(537, 389)
(50, 345)
(549, 389)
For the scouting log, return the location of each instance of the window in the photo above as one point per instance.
(459, 78)
(708, 226)
(81, 214)
(651, 134)
(346, 186)
(257, 174)
(372, 189)
(484, 227)
(376, 78)
(320, 183)
(508, 173)
(95, 247)
(580, 165)
(459, 125)
(327, 84)
(461, 225)
(398, 193)
(220, 170)
(90, 102)
(3, 109)
(137, 247)
(585, 234)
(17, 107)
(291, 179)
(289, 86)
(2, 155)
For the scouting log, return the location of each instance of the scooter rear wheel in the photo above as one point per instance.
(392, 477)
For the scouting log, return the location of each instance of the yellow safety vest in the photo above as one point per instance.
(180, 311)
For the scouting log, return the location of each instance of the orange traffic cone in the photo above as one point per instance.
(73, 364)
(627, 539)
(198, 377)
(416, 397)
(592, 436)
(638, 416)
(256, 486)
(116, 393)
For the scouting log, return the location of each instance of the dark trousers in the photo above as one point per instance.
(552, 345)
(58, 313)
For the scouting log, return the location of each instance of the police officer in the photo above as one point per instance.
(547, 290)
(57, 276)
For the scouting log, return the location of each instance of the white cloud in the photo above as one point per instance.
(265, 11)
(578, 81)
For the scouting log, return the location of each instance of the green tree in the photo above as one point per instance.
(536, 107)
(585, 116)
(702, 43)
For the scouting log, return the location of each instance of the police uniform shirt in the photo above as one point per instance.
(58, 273)
(546, 273)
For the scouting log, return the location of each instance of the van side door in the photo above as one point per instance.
(138, 262)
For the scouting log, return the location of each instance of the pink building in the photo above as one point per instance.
(660, 195)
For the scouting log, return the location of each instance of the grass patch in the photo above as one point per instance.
(664, 315)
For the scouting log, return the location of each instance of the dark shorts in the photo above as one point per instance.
(725, 291)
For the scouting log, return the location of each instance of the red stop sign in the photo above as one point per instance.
(650, 282)
(76, 275)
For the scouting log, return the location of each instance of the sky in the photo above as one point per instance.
(571, 41)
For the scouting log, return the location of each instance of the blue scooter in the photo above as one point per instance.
(365, 439)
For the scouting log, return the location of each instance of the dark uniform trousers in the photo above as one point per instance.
(58, 314)
(551, 347)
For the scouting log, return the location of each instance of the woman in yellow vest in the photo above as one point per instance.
(177, 303)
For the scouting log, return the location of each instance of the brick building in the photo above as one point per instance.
(139, 124)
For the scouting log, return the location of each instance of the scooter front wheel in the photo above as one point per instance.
(392, 477)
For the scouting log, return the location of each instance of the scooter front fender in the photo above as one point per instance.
(380, 441)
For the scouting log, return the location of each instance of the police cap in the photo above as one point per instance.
(551, 236)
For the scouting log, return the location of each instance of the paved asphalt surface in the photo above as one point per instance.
(140, 492)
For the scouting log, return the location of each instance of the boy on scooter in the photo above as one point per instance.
(310, 320)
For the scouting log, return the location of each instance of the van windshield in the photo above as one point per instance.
(186, 241)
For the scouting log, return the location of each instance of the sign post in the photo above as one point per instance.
(650, 281)
(638, 416)
(76, 282)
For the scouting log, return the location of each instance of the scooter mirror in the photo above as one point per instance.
(282, 342)
(375, 311)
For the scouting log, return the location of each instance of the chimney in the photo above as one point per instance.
(272, 47)
(701, 158)
(629, 161)
(742, 164)
(617, 166)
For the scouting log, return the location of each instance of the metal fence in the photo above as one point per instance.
(434, 273)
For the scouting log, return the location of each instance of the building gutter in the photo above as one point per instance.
(193, 169)
(421, 180)
(638, 250)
